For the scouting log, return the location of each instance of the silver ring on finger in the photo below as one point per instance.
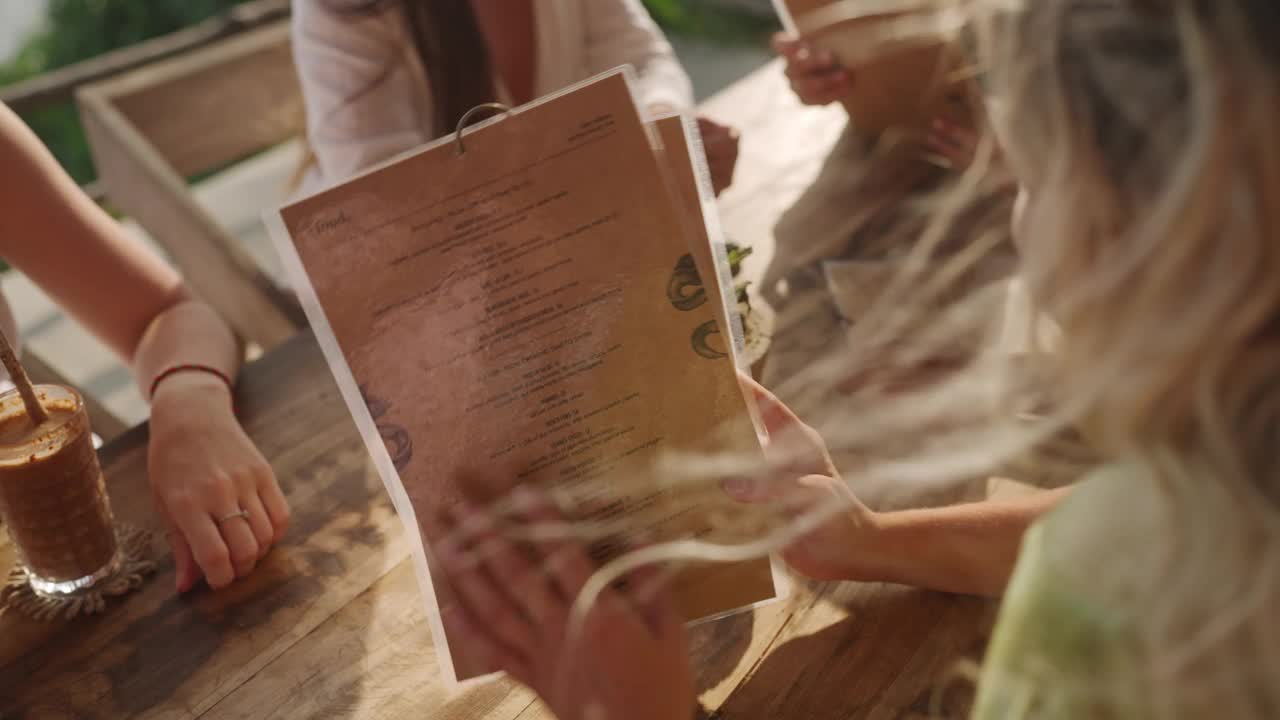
(239, 513)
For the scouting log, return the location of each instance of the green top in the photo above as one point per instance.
(1140, 598)
(1063, 647)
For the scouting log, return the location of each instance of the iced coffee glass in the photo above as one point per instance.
(52, 495)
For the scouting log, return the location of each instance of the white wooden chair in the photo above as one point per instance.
(154, 127)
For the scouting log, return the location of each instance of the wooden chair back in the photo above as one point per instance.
(153, 128)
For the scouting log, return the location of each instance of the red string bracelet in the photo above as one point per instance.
(171, 371)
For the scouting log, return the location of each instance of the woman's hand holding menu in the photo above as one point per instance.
(966, 549)
(625, 658)
(802, 479)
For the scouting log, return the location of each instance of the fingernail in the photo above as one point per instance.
(739, 488)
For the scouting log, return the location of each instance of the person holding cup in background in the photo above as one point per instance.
(847, 236)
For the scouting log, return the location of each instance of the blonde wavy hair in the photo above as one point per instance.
(1146, 134)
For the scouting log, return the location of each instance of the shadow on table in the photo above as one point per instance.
(188, 647)
(716, 648)
(868, 651)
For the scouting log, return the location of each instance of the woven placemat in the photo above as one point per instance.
(135, 565)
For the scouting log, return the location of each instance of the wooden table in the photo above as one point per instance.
(331, 623)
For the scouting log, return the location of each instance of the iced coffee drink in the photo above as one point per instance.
(52, 496)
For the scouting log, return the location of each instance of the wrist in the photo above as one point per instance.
(949, 549)
(876, 558)
(190, 386)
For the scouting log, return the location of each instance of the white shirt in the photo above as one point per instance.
(367, 94)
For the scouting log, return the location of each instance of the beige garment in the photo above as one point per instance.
(839, 248)
(368, 98)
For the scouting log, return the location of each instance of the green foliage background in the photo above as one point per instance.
(81, 29)
(715, 21)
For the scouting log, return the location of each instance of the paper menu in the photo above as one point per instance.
(691, 182)
(508, 310)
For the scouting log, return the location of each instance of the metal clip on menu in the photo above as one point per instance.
(466, 118)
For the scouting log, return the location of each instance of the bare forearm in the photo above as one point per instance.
(187, 333)
(73, 250)
(967, 549)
